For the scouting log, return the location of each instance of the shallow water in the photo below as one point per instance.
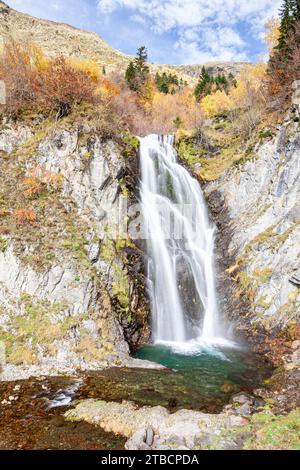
(31, 417)
(208, 374)
(31, 411)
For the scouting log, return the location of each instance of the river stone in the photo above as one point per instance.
(244, 410)
(242, 398)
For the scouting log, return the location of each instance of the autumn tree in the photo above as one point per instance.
(272, 32)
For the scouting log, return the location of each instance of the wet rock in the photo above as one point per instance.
(244, 410)
(242, 398)
(58, 421)
(261, 393)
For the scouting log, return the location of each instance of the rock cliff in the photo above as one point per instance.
(256, 206)
(69, 298)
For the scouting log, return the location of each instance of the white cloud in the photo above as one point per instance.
(204, 28)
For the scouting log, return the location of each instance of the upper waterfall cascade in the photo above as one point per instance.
(180, 246)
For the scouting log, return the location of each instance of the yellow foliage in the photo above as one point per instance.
(165, 109)
(148, 92)
(249, 91)
(272, 33)
(90, 67)
(37, 58)
(216, 103)
(107, 89)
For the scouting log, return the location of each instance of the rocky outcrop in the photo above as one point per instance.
(213, 68)
(68, 300)
(256, 207)
(155, 428)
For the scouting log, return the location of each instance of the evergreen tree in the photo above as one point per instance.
(283, 66)
(289, 15)
(204, 85)
(140, 64)
(295, 5)
(130, 75)
(137, 71)
(166, 83)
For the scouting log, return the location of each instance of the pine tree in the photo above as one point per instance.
(137, 71)
(140, 64)
(289, 14)
(283, 66)
(130, 75)
(204, 84)
(295, 6)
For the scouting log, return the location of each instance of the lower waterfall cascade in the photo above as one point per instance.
(180, 247)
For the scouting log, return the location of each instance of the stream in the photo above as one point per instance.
(31, 411)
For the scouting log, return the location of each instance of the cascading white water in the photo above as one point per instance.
(180, 245)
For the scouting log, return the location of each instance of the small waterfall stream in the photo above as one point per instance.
(180, 246)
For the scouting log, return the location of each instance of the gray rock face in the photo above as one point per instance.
(260, 203)
(90, 174)
(71, 306)
(11, 136)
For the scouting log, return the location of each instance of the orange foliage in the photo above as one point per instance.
(63, 86)
(283, 70)
(38, 180)
(3, 212)
(107, 89)
(34, 82)
(23, 216)
(33, 187)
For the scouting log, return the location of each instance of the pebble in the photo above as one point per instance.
(13, 398)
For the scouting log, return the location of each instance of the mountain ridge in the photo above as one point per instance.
(56, 38)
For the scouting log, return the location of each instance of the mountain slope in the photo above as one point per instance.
(59, 38)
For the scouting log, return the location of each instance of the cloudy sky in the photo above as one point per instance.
(175, 31)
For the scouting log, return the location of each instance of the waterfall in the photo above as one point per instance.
(180, 247)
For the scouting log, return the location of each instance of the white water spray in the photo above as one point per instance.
(180, 245)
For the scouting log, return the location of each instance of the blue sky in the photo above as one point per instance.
(175, 31)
